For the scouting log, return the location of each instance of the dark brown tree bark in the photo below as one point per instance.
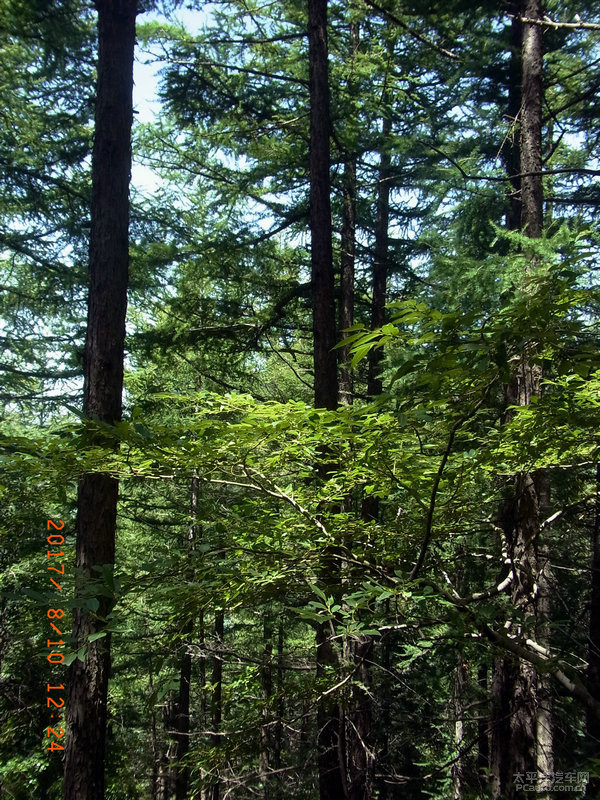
(347, 277)
(523, 716)
(360, 746)
(532, 196)
(380, 263)
(458, 768)
(278, 732)
(331, 765)
(348, 240)
(321, 256)
(266, 731)
(502, 684)
(370, 505)
(156, 779)
(103, 382)
(181, 721)
(511, 151)
(483, 741)
(384, 726)
(502, 692)
(217, 694)
(593, 672)
(203, 711)
(362, 756)
(518, 716)
(330, 743)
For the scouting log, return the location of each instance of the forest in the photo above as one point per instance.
(300, 431)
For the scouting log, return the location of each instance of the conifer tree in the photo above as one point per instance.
(103, 382)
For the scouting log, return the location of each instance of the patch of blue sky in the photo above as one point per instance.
(146, 81)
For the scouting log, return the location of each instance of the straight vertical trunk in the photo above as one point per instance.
(266, 731)
(519, 684)
(349, 230)
(503, 677)
(182, 714)
(593, 672)
(332, 776)
(511, 151)
(278, 733)
(203, 689)
(321, 254)
(384, 729)
(531, 121)
(544, 724)
(181, 721)
(364, 752)
(217, 695)
(347, 276)
(361, 751)
(500, 750)
(331, 773)
(458, 700)
(483, 742)
(370, 505)
(103, 382)
(155, 783)
(380, 263)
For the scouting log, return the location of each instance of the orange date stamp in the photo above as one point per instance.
(55, 704)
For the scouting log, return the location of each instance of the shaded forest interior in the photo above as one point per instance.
(300, 435)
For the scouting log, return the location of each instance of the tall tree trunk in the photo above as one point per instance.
(357, 735)
(330, 742)
(266, 731)
(370, 505)
(385, 694)
(531, 121)
(321, 254)
(203, 720)
(522, 521)
(536, 487)
(278, 732)
(217, 694)
(156, 781)
(348, 242)
(502, 690)
(361, 751)
(483, 741)
(543, 608)
(511, 151)
(380, 263)
(502, 684)
(103, 383)
(331, 772)
(181, 720)
(458, 701)
(347, 276)
(182, 711)
(593, 672)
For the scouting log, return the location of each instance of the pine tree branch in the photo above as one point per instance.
(550, 23)
(397, 21)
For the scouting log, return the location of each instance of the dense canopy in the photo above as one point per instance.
(300, 433)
